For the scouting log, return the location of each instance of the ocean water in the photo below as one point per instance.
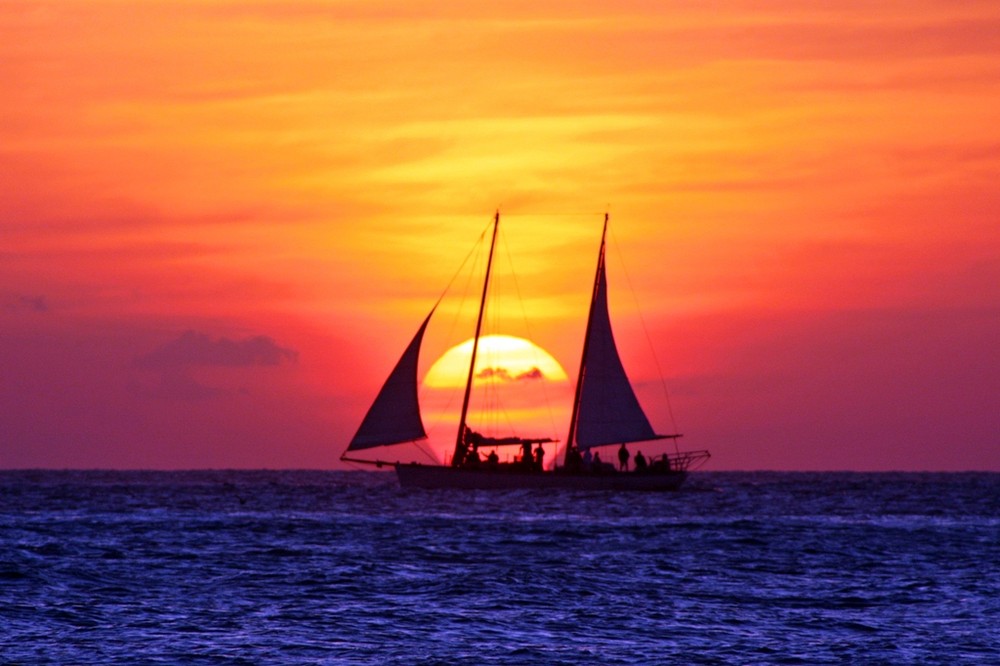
(346, 568)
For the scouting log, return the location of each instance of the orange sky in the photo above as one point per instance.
(804, 195)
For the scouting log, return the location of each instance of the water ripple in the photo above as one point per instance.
(333, 568)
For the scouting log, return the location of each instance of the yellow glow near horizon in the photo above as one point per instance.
(502, 358)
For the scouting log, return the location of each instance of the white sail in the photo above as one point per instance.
(609, 412)
(394, 417)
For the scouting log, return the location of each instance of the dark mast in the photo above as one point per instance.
(570, 442)
(458, 455)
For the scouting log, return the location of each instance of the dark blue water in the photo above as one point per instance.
(346, 568)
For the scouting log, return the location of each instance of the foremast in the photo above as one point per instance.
(461, 442)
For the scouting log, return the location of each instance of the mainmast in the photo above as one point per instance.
(461, 446)
(570, 441)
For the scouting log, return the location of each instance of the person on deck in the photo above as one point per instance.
(574, 461)
(493, 459)
(623, 456)
(588, 460)
(472, 458)
(469, 438)
(526, 456)
(596, 465)
(539, 457)
(640, 462)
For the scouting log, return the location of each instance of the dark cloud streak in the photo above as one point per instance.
(503, 374)
(199, 349)
(26, 303)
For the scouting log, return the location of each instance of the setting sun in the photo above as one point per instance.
(501, 358)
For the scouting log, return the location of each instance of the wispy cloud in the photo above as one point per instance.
(199, 349)
(26, 303)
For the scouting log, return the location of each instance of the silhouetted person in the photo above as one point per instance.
(493, 459)
(526, 454)
(573, 460)
(597, 462)
(588, 460)
(623, 456)
(640, 462)
(539, 457)
(469, 436)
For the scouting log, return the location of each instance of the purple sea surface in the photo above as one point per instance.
(245, 567)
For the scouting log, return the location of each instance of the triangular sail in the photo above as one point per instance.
(608, 411)
(394, 417)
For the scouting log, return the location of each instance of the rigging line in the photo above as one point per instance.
(493, 409)
(527, 327)
(427, 453)
(445, 410)
(645, 330)
(477, 249)
(497, 410)
(495, 383)
(481, 397)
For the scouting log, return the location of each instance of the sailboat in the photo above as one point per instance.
(606, 413)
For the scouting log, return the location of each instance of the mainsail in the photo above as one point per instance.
(394, 417)
(607, 411)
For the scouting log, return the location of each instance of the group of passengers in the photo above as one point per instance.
(591, 462)
(533, 459)
(468, 455)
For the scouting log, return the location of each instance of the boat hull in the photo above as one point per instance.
(436, 477)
